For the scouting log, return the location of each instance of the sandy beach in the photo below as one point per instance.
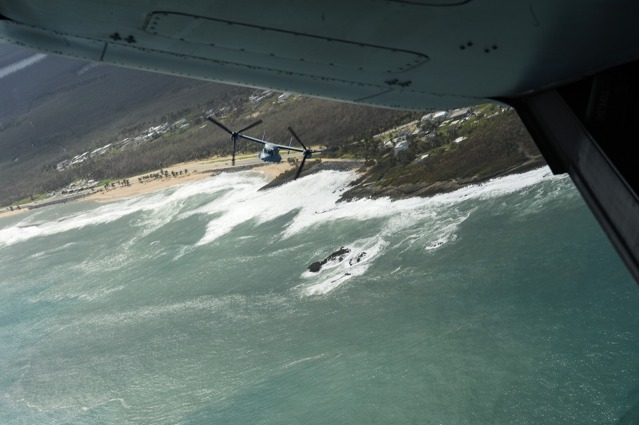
(197, 170)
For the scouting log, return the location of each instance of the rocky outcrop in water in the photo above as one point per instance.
(337, 255)
(357, 259)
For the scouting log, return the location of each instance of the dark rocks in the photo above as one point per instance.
(356, 259)
(339, 255)
(315, 267)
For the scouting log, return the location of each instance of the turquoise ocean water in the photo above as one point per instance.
(499, 304)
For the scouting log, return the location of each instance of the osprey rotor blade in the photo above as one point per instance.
(299, 170)
(219, 124)
(258, 122)
(233, 155)
(297, 138)
(235, 134)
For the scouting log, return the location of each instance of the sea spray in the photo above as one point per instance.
(499, 303)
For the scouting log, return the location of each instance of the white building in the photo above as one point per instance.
(401, 146)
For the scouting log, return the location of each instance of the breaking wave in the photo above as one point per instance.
(228, 201)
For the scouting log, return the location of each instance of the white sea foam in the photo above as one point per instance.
(440, 216)
(162, 206)
(339, 270)
(307, 195)
(19, 233)
(49, 252)
(313, 199)
(304, 360)
(406, 212)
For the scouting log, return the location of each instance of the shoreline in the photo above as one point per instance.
(197, 170)
(270, 171)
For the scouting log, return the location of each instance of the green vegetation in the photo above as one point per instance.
(493, 144)
(28, 199)
(104, 182)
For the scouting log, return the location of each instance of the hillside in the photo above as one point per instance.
(442, 152)
(60, 108)
(430, 156)
(70, 120)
